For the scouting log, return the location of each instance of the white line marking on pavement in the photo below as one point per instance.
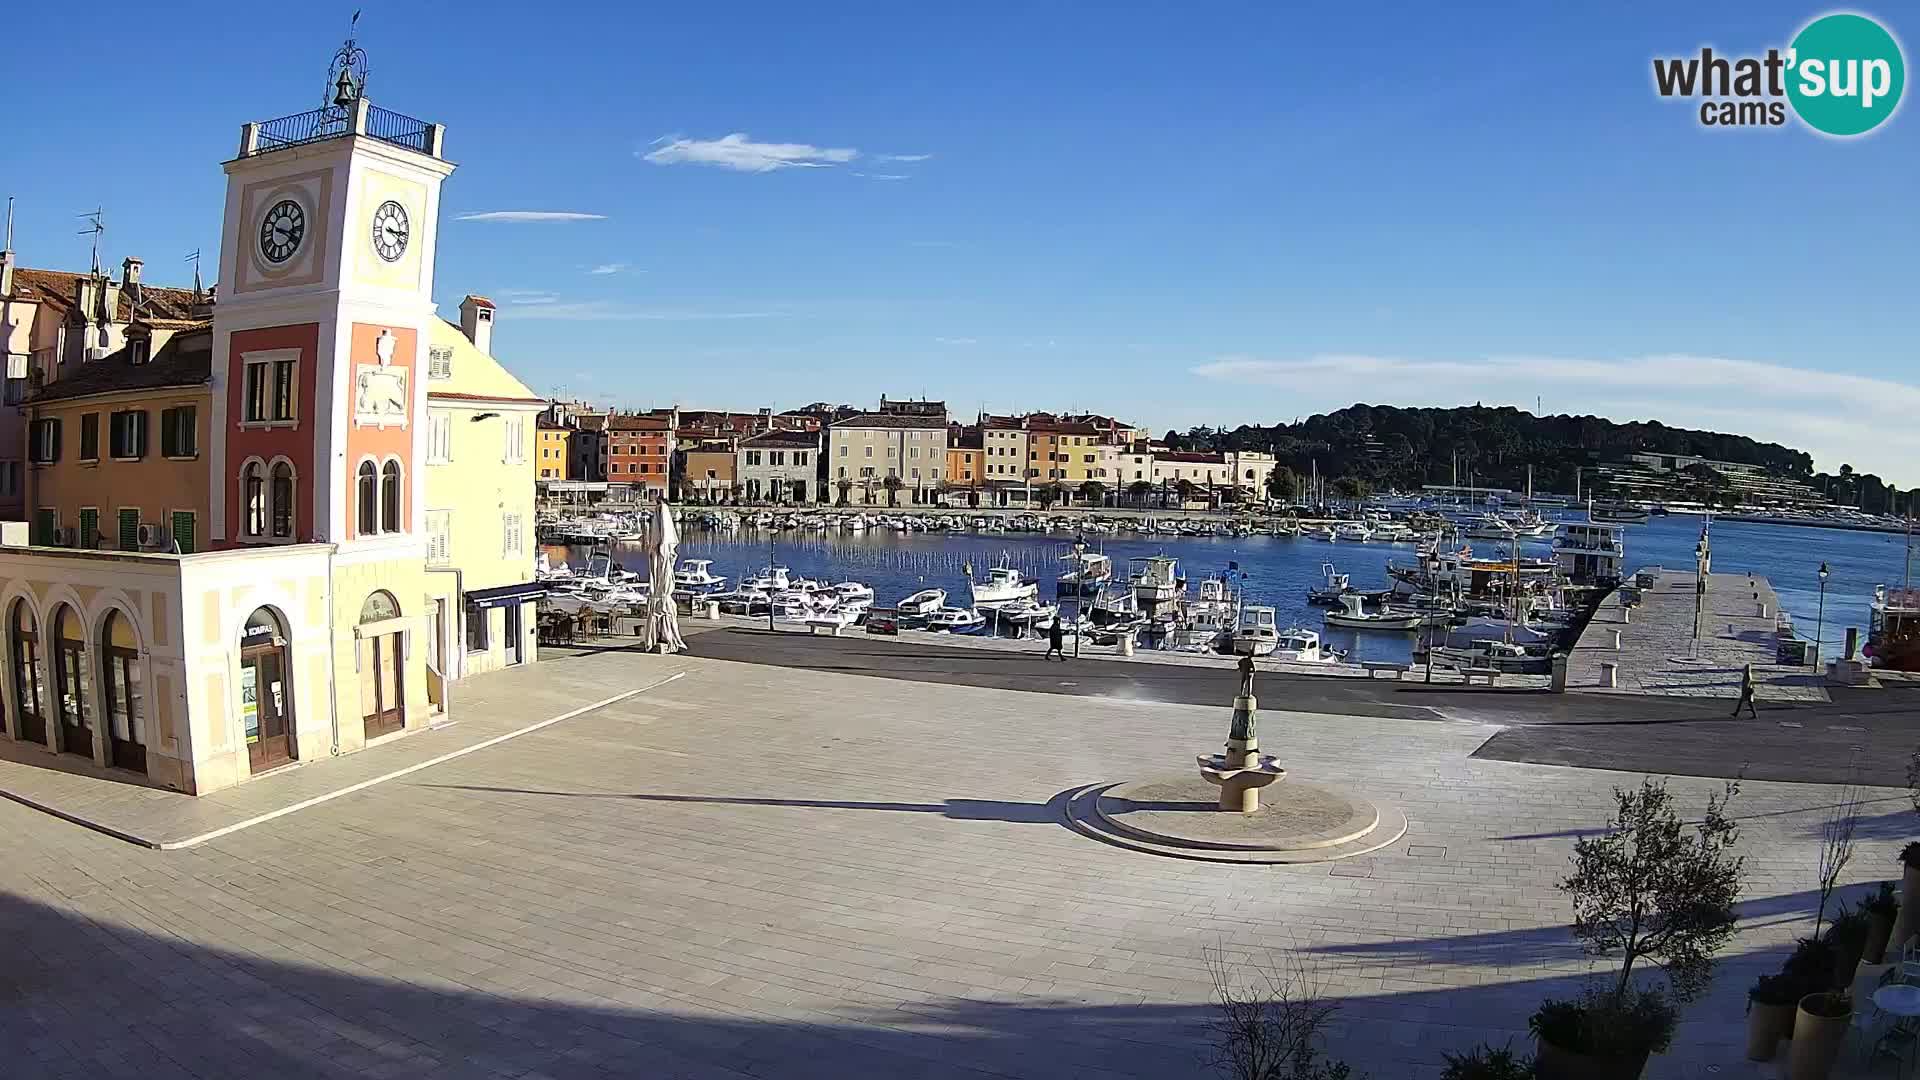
(195, 841)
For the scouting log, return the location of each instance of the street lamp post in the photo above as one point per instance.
(1820, 627)
(770, 565)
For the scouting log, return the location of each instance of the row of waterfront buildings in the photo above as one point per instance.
(906, 453)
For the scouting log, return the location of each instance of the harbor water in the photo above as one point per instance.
(1278, 570)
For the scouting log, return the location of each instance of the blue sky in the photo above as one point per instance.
(1244, 213)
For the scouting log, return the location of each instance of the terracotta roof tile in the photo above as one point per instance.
(185, 360)
(58, 289)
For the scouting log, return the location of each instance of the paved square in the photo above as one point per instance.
(768, 872)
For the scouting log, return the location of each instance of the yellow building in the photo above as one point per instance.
(115, 450)
(550, 452)
(482, 440)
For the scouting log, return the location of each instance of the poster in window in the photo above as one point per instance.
(250, 702)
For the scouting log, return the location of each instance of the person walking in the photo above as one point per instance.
(1746, 694)
(1057, 639)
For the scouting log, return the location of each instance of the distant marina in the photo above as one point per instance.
(1266, 569)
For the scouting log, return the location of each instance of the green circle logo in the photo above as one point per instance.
(1845, 74)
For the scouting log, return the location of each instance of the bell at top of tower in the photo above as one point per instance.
(344, 111)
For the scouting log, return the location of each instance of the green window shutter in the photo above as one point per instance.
(183, 530)
(44, 523)
(129, 530)
(89, 529)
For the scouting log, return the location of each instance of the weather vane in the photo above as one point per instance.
(347, 74)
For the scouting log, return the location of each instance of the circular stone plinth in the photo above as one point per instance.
(1178, 815)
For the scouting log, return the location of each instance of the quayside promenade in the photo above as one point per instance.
(764, 871)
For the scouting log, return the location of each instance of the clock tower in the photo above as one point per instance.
(318, 426)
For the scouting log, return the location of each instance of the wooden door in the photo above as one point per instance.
(265, 707)
(29, 676)
(381, 695)
(70, 667)
(126, 727)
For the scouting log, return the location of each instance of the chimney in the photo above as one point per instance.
(476, 321)
(6, 273)
(130, 273)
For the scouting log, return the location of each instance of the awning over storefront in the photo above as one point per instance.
(505, 595)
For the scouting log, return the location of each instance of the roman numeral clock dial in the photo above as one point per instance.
(282, 230)
(390, 231)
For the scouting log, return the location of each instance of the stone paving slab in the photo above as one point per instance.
(490, 708)
(770, 872)
(1658, 654)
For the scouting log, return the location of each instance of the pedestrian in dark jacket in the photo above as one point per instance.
(1746, 694)
(1056, 640)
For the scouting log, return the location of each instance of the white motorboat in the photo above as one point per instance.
(1305, 647)
(1156, 579)
(956, 620)
(772, 579)
(835, 618)
(1256, 633)
(1318, 532)
(1334, 586)
(1353, 530)
(1027, 611)
(694, 576)
(1086, 572)
(1004, 585)
(1393, 532)
(923, 603)
(1352, 615)
(853, 591)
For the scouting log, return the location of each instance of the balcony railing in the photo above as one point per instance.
(339, 121)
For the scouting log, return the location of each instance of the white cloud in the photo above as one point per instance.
(1861, 420)
(609, 268)
(883, 176)
(741, 154)
(610, 311)
(955, 341)
(902, 158)
(536, 216)
(526, 296)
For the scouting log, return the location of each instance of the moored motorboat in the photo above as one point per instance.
(1256, 633)
(1352, 615)
(956, 620)
(923, 603)
(1004, 585)
(1305, 647)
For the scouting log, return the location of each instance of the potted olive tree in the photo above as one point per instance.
(1770, 1011)
(1819, 1031)
(1848, 935)
(1652, 887)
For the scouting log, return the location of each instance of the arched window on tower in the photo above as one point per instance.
(283, 501)
(390, 497)
(254, 498)
(369, 520)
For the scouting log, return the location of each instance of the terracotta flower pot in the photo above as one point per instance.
(1766, 1026)
(1879, 934)
(1816, 1042)
(1555, 1062)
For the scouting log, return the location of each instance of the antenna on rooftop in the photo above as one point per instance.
(194, 258)
(96, 224)
(9, 244)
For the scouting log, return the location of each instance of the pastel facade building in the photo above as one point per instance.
(894, 458)
(482, 435)
(779, 467)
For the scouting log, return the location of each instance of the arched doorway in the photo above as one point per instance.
(29, 676)
(70, 681)
(382, 682)
(123, 694)
(266, 702)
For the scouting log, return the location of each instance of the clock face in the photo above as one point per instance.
(390, 231)
(282, 230)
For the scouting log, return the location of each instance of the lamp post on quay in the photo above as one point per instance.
(1820, 627)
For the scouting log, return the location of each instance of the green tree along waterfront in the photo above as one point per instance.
(1364, 448)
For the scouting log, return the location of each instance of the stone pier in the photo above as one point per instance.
(1656, 652)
